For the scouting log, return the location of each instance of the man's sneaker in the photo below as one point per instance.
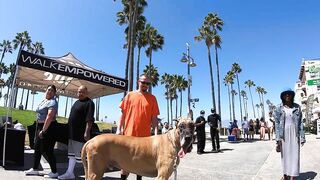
(67, 175)
(31, 172)
(51, 175)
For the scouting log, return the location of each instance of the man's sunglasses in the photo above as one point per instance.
(145, 83)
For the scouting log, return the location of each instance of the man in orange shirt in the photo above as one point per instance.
(139, 113)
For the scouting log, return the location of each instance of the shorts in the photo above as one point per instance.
(74, 149)
(246, 130)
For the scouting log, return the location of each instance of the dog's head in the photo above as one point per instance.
(186, 133)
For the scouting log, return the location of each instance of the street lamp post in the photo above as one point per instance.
(186, 58)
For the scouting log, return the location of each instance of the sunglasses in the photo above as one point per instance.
(145, 83)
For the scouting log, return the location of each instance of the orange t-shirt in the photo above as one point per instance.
(138, 110)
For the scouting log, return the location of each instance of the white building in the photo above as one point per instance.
(308, 89)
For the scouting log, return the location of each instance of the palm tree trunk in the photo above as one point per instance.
(2, 56)
(32, 102)
(232, 101)
(26, 105)
(167, 97)
(254, 113)
(132, 42)
(258, 112)
(14, 103)
(22, 96)
(212, 81)
(8, 96)
(229, 103)
(171, 115)
(97, 108)
(65, 110)
(176, 108)
(241, 117)
(263, 112)
(138, 68)
(129, 49)
(218, 77)
(180, 103)
(150, 63)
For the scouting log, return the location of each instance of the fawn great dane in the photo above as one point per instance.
(154, 156)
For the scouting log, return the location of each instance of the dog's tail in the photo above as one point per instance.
(84, 159)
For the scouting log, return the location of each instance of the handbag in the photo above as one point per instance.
(279, 146)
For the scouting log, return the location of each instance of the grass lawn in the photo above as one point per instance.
(27, 117)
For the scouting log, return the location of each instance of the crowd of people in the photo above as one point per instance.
(139, 118)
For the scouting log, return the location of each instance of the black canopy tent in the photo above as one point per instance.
(67, 73)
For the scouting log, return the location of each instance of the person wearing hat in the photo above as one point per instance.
(214, 120)
(201, 132)
(289, 134)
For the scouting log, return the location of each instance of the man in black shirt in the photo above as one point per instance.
(80, 122)
(214, 121)
(201, 133)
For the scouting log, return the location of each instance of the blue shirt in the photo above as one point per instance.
(44, 106)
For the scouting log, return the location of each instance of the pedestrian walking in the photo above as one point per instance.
(245, 127)
(289, 134)
(251, 129)
(201, 132)
(45, 138)
(214, 120)
(262, 129)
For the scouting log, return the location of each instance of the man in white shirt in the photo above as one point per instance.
(245, 127)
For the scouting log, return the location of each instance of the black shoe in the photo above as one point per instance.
(219, 150)
(213, 150)
(199, 152)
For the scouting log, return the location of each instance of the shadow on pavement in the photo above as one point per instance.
(307, 175)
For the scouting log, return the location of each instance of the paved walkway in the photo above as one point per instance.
(255, 160)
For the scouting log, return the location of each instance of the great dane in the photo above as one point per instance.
(154, 156)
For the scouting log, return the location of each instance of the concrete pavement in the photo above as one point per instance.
(255, 160)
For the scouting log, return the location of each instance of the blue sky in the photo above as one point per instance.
(267, 38)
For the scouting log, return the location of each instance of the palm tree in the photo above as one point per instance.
(166, 79)
(244, 98)
(249, 83)
(258, 106)
(182, 84)
(129, 15)
(228, 81)
(237, 69)
(214, 23)
(8, 83)
(22, 40)
(153, 74)
(155, 42)
(261, 91)
(172, 95)
(233, 93)
(3, 70)
(36, 48)
(141, 42)
(5, 47)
